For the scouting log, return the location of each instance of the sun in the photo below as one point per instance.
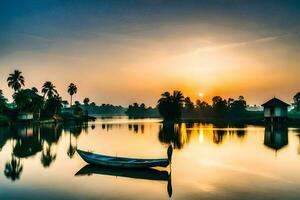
(200, 94)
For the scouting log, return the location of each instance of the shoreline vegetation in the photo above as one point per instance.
(31, 106)
(175, 108)
(34, 107)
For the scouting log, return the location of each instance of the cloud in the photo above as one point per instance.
(238, 44)
(36, 37)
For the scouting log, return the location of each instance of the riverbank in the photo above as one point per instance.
(5, 121)
(255, 118)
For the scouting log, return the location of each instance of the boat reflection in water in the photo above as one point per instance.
(276, 136)
(146, 174)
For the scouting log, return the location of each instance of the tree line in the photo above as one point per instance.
(45, 104)
(141, 110)
(173, 106)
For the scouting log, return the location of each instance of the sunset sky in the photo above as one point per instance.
(125, 51)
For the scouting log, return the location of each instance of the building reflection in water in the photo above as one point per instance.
(276, 136)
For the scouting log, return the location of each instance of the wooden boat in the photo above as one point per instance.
(109, 161)
(147, 174)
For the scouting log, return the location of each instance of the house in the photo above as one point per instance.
(275, 110)
(25, 116)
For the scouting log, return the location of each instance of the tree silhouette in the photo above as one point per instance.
(13, 169)
(237, 107)
(3, 102)
(53, 105)
(140, 111)
(28, 100)
(219, 105)
(49, 90)
(35, 90)
(15, 80)
(296, 99)
(86, 101)
(188, 104)
(170, 106)
(72, 89)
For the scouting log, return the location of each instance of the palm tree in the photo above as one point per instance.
(188, 104)
(170, 106)
(13, 169)
(49, 90)
(72, 89)
(15, 80)
(178, 98)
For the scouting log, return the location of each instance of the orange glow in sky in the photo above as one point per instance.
(119, 61)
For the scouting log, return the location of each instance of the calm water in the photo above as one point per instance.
(209, 162)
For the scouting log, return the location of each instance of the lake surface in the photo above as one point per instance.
(209, 161)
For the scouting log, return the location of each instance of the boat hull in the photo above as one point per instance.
(108, 161)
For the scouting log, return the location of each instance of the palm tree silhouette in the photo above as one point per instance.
(49, 90)
(72, 89)
(170, 106)
(15, 80)
(47, 157)
(13, 169)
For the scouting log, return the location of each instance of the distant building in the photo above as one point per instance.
(25, 116)
(275, 110)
